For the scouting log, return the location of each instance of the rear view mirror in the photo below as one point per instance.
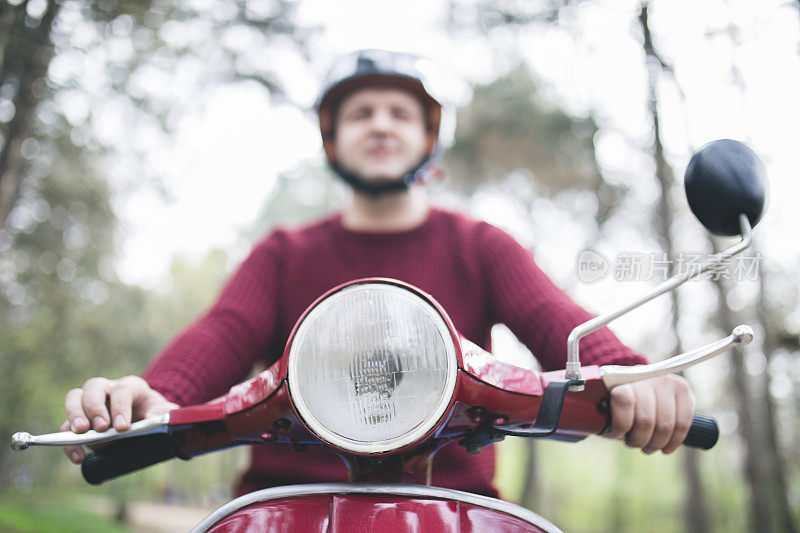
(724, 179)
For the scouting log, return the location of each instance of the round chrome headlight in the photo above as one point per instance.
(372, 368)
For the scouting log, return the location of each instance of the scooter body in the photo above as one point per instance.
(345, 507)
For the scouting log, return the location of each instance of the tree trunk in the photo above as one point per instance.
(26, 55)
(695, 509)
(773, 458)
(696, 515)
(770, 465)
(760, 516)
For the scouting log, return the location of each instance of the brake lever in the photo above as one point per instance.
(148, 426)
(614, 375)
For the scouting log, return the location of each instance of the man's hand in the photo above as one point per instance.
(103, 403)
(654, 414)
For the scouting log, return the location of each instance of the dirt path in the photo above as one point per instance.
(148, 517)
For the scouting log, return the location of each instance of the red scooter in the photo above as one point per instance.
(375, 370)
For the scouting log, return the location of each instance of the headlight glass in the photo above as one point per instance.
(372, 368)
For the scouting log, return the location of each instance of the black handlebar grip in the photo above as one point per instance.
(703, 433)
(125, 456)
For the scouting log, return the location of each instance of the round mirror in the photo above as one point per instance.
(724, 179)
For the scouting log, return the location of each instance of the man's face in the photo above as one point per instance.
(380, 133)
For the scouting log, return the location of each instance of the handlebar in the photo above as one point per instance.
(136, 452)
(126, 456)
(703, 433)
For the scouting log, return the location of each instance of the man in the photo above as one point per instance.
(380, 126)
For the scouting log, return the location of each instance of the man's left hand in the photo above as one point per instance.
(654, 414)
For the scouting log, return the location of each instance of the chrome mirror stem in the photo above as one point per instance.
(573, 355)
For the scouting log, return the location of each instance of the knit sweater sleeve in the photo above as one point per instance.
(540, 314)
(219, 349)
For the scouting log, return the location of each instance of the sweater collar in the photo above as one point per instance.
(388, 237)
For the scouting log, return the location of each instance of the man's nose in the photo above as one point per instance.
(381, 121)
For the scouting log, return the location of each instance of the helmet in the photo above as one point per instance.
(370, 68)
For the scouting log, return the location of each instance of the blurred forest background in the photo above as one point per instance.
(94, 93)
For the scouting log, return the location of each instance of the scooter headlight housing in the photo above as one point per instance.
(372, 367)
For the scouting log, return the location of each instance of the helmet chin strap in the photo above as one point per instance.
(375, 190)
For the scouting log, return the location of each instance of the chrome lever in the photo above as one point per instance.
(148, 426)
(614, 375)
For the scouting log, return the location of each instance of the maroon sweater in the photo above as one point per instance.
(479, 274)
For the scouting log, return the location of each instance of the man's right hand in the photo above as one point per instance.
(103, 403)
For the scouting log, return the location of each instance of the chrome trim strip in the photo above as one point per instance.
(614, 375)
(372, 489)
(153, 424)
(580, 331)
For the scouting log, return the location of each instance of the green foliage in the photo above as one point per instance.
(118, 67)
(66, 316)
(600, 485)
(46, 519)
(508, 126)
(54, 515)
(488, 15)
(192, 288)
(309, 191)
(69, 317)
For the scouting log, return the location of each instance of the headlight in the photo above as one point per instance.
(372, 368)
